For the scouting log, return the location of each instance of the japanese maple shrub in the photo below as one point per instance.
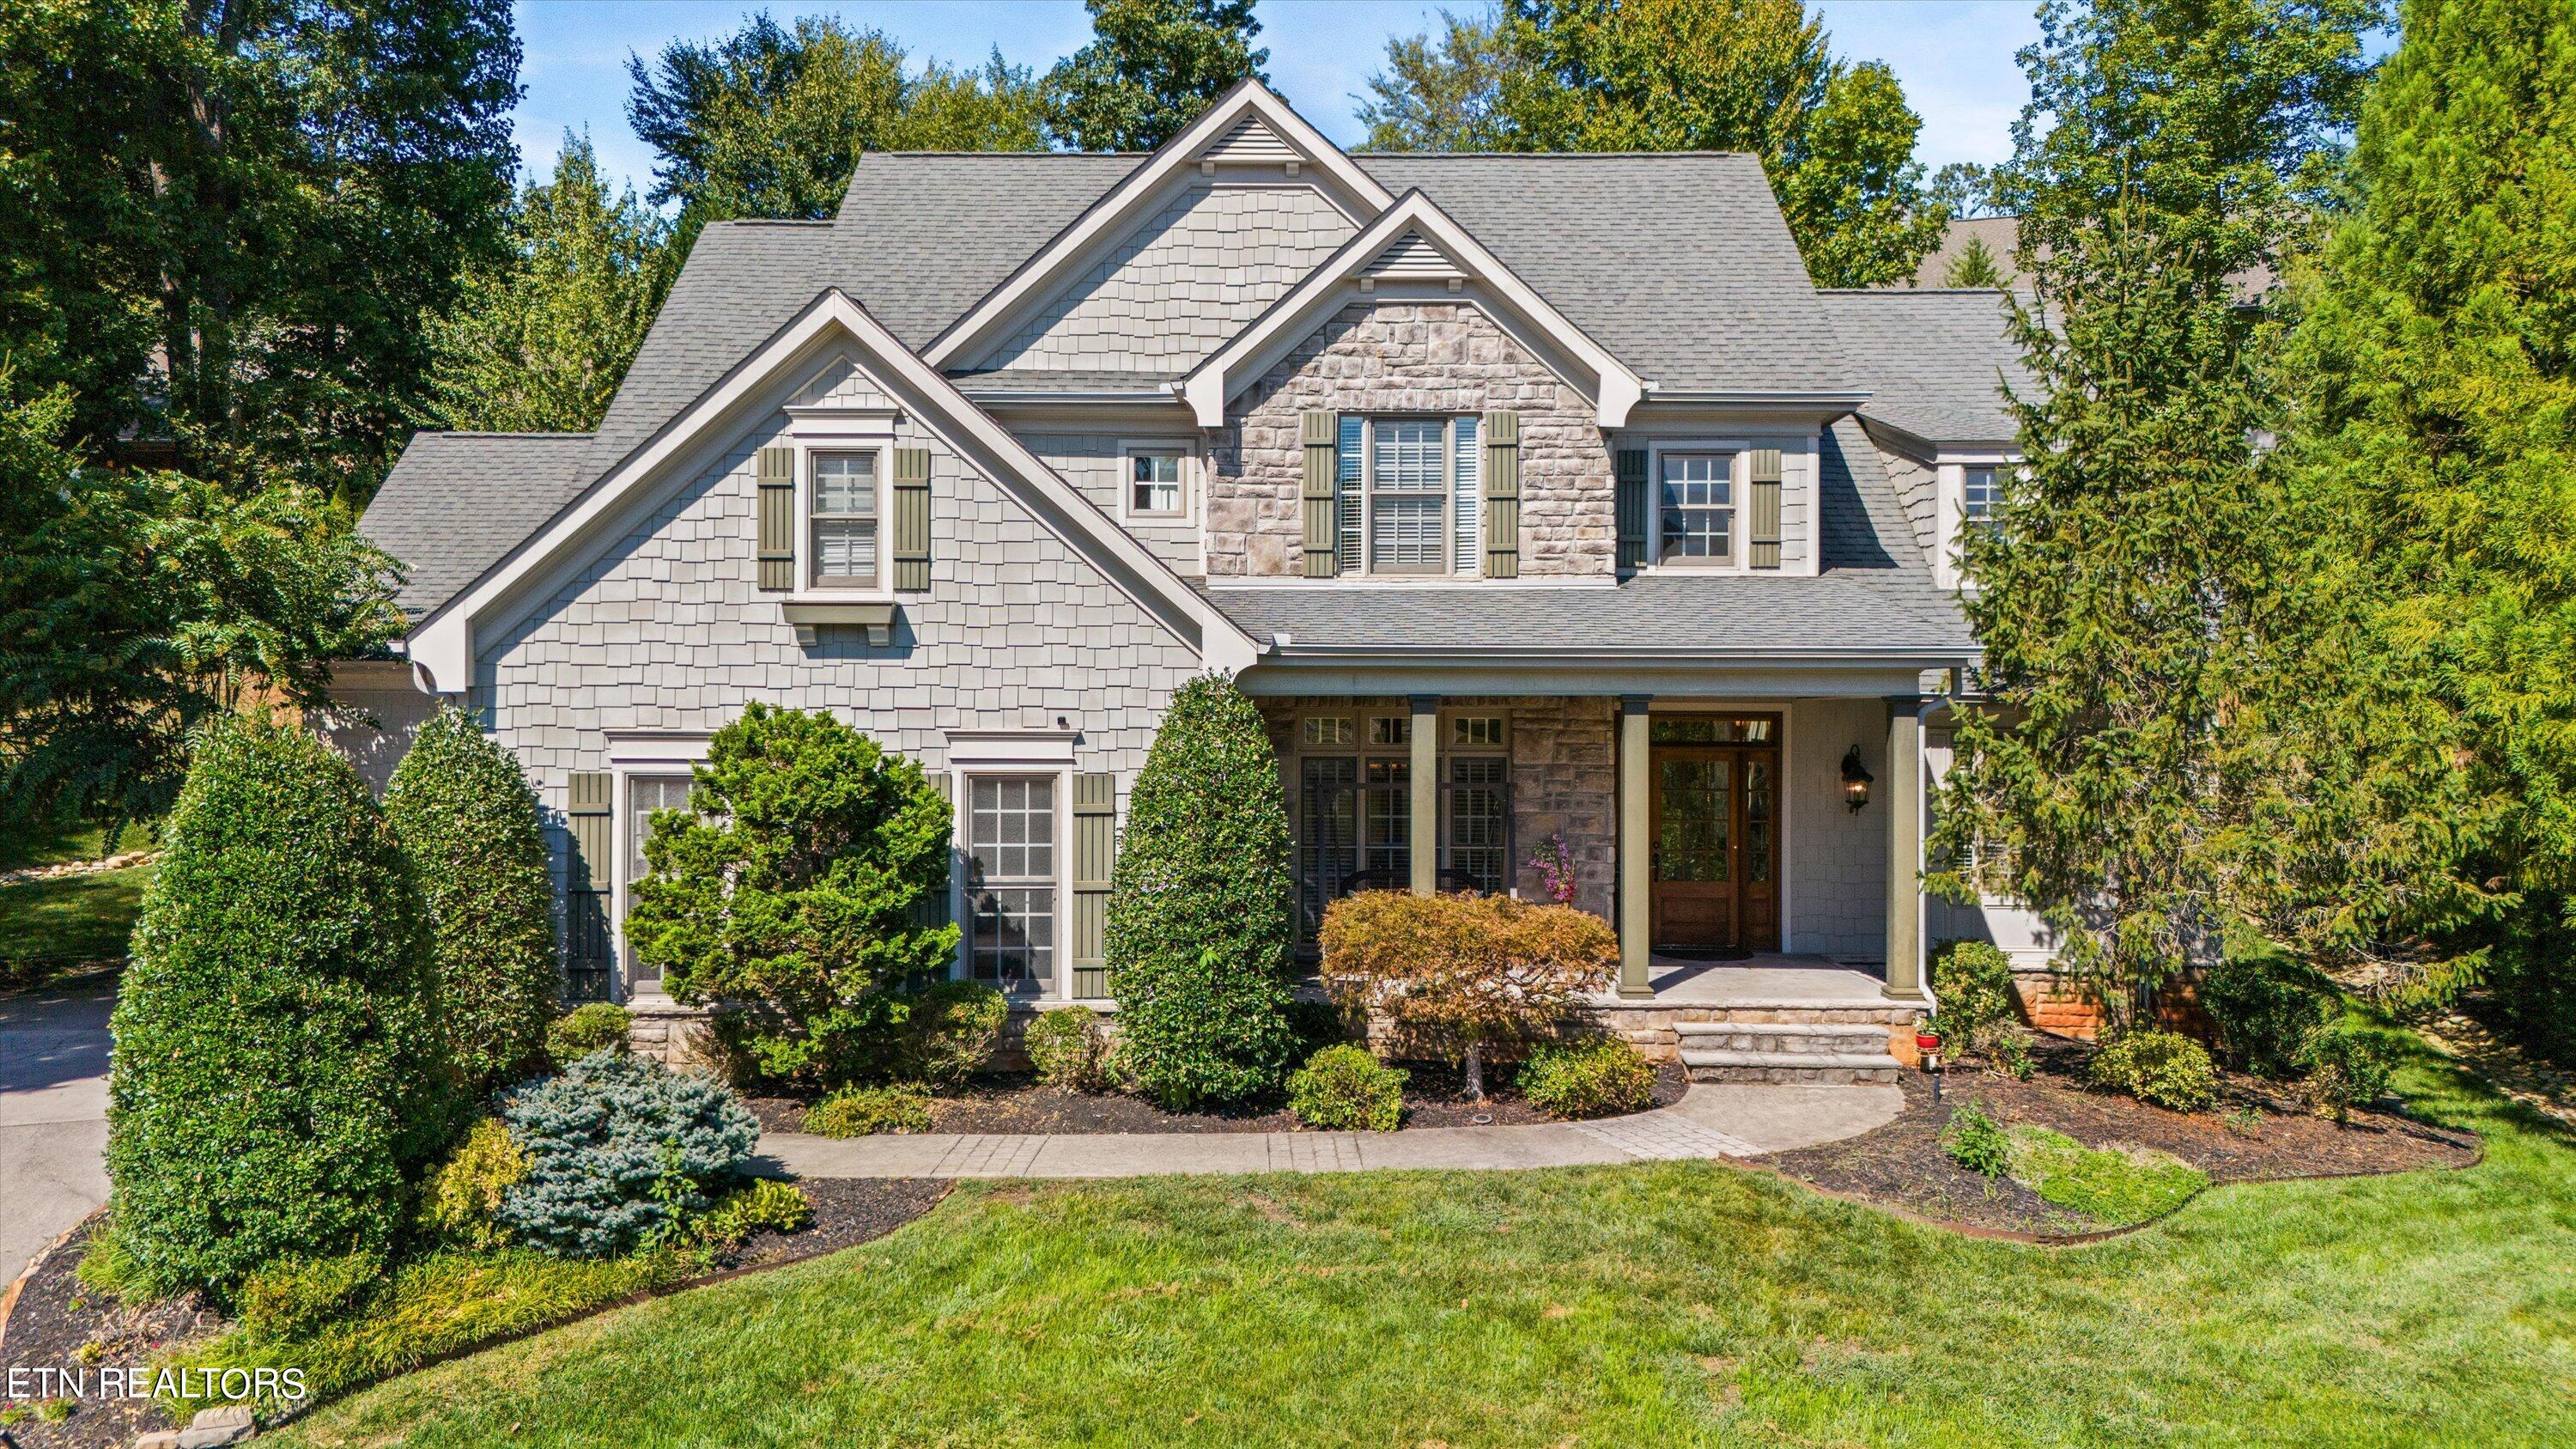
(793, 889)
(281, 1080)
(1200, 934)
(1458, 975)
(465, 816)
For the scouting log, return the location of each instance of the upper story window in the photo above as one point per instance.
(1977, 500)
(1154, 486)
(842, 515)
(1696, 499)
(1408, 496)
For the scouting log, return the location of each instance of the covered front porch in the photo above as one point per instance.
(1739, 844)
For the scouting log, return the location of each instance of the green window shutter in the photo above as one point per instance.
(1632, 507)
(777, 518)
(1502, 433)
(591, 834)
(1095, 850)
(911, 520)
(1318, 432)
(1763, 533)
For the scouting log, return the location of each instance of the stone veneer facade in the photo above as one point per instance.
(1565, 777)
(1410, 357)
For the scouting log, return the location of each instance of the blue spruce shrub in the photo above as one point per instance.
(621, 1150)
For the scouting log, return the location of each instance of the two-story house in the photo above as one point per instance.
(1539, 499)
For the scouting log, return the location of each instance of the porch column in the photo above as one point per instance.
(1424, 839)
(1904, 848)
(1636, 850)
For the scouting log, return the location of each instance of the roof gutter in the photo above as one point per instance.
(1853, 656)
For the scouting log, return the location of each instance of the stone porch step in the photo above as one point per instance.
(1710, 1065)
(1827, 1037)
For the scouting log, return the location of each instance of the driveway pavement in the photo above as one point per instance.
(53, 1114)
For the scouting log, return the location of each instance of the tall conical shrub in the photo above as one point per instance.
(1200, 931)
(465, 816)
(279, 1075)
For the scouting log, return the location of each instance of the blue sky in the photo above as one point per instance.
(1954, 59)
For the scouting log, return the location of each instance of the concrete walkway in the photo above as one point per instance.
(53, 1114)
(1710, 1121)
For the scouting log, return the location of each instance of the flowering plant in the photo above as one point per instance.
(1555, 865)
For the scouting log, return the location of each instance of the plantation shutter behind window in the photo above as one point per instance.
(911, 520)
(1468, 489)
(777, 509)
(1632, 501)
(1346, 491)
(591, 843)
(1502, 431)
(1317, 431)
(1763, 533)
(1095, 851)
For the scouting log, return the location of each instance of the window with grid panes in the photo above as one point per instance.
(1010, 848)
(1698, 507)
(842, 518)
(1154, 482)
(646, 794)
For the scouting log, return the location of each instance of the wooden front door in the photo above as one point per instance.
(1716, 785)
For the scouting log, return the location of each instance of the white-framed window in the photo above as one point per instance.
(844, 518)
(1154, 480)
(1981, 490)
(1695, 508)
(645, 794)
(1407, 483)
(1011, 880)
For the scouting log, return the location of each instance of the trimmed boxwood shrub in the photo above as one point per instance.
(1068, 1049)
(1200, 930)
(467, 820)
(1973, 980)
(598, 1026)
(866, 1111)
(620, 1150)
(951, 1029)
(1599, 1077)
(2265, 1003)
(280, 1075)
(795, 888)
(2164, 1068)
(1344, 1089)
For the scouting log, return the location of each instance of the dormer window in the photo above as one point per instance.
(842, 515)
(1696, 498)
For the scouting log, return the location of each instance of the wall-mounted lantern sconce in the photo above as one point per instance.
(1856, 780)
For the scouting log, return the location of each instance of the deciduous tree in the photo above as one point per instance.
(1153, 66)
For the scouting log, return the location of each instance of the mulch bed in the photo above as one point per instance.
(56, 1317)
(1434, 1096)
(1901, 1165)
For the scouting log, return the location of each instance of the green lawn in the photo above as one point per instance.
(46, 925)
(1647, 1305)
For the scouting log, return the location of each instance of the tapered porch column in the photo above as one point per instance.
(1424, 839)
(1904, 848)
(1636, 850)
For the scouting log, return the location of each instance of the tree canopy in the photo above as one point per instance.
(1153, 66)
(2156, 633)
(539, 342)
(1836, 138)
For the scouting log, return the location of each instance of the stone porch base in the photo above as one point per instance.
(1765, 990)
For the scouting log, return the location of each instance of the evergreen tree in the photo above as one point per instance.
(1200, 930)
(466, 820)
(540, 345)
(2436, 428)
(1836, 139)
(1974, 266)
(2151, 637)
(280, 1077)
(226, 222)
(769, 121)
(1154, 66)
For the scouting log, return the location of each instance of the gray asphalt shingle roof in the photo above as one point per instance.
(1872, 591)
(1935, 361)
(456, 502)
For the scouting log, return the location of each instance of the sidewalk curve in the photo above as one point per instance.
(1720, 1120)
